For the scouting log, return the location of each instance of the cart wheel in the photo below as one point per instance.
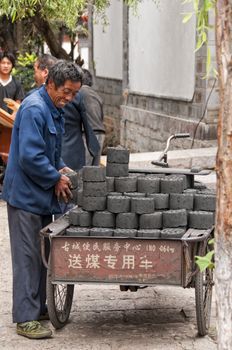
(203, 295)
(59, 300)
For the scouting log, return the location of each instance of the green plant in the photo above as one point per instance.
(206, 261)
(24, 71)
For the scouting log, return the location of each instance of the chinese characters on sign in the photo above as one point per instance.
(114, 255)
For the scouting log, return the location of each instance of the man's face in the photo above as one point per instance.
(40, 75)
(61, 95)
(5, 66)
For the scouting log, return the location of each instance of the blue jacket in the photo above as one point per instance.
(34, 158)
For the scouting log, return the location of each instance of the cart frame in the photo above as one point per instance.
(173, 262)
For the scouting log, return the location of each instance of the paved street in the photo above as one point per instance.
(103, 318)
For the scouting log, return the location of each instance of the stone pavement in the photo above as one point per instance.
(103, 318)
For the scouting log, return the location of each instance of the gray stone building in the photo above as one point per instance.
(151, 78)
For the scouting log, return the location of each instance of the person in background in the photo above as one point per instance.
(94, 110)
(42, 66)
(9, 86)
(33, 185)
(73, 147)
(76, 126)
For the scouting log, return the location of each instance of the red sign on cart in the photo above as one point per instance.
(138, 261)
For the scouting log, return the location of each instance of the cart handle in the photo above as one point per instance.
(181, 135)
(162, 160)
(197, 238)
(55, 228)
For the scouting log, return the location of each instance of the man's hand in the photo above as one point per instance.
(62, 188)
(65, 170)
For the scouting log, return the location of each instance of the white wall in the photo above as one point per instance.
(84, 51)
(107, 43)
(161, 50)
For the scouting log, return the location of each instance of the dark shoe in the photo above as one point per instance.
(33, 330)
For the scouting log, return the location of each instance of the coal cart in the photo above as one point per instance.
(134, 228)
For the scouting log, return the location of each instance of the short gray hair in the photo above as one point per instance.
(64, 70)
(46, 61)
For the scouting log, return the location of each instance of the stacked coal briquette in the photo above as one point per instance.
(116, 203)
(76, 184)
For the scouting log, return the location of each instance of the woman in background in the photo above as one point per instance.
(9, 88)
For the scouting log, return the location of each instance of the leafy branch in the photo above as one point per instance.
(201, 9)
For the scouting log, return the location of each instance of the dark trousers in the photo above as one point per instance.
(29, 273)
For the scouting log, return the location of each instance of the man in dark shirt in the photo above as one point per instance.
(77, 125)
(94, 111)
